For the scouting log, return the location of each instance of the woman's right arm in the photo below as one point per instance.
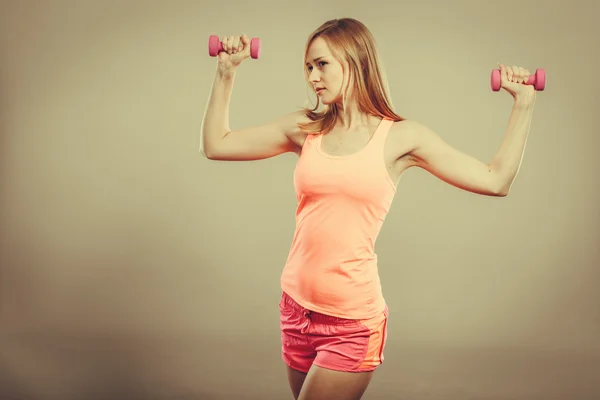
(219, 142)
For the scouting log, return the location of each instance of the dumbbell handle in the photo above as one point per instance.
(215, 46)
(538, 79)
(531, 80)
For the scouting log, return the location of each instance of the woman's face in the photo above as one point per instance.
(326, 74)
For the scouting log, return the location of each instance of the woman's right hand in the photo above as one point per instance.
(235, 50)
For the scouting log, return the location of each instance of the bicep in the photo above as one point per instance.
(260, 141)
(433, 154)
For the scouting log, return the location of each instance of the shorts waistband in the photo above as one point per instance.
(313, 315)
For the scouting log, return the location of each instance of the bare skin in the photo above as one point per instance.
(325, 384)
(341, 142)
(296, 380)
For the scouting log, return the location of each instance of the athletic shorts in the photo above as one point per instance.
(348, 345)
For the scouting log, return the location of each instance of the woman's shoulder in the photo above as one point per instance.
(300, 126)
(404, 135)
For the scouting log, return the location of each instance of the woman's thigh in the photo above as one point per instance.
(296, 380)
(327, 384)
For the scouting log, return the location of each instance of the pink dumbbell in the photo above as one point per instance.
(538, 80)
(215, 46)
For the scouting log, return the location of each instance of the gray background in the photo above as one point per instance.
(132, 267)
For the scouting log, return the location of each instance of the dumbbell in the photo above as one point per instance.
(215, 46)
(538, 80)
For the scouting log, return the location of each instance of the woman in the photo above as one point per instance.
(351, 157)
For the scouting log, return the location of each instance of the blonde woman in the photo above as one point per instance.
(351, 155)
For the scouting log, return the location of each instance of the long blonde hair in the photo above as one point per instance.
(351, 41)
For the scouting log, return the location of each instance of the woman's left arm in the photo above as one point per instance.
(432, 153)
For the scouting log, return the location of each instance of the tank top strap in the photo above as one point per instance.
(380, 135)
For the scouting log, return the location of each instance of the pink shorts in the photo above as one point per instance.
(347, 345)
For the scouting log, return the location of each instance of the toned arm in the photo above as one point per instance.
(267, 140)
(219, 142)
(433, 154)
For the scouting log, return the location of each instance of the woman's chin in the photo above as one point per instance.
(326, 99)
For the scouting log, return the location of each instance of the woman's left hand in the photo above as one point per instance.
(512, 79)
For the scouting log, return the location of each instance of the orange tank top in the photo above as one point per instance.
(342, 203)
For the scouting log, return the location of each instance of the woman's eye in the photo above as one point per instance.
(321, 64)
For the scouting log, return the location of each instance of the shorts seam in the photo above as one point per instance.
(365, 349)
